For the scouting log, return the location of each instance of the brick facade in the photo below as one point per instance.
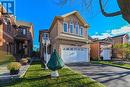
(10, 38)
(58, 37)
(121, 39)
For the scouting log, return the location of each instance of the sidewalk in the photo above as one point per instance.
(4, 70)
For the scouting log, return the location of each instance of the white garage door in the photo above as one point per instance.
(106, 54)
(71, 54)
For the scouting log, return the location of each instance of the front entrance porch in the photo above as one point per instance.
(22, 48)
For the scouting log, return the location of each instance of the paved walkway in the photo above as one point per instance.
(108, 75)
(5, 73)
(3, 70)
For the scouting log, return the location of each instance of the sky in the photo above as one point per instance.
(42, 12)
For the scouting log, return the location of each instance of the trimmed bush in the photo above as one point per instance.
(24, 61)
(14, 66)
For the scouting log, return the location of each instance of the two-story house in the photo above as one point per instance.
(120, 39)
(7, 30)
(15, 36)
(68, 35)
(109, 51)
(23, 38)
(100, 50)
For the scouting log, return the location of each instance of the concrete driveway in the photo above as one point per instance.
(108, 75)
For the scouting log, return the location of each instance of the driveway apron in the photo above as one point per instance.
(108, 75)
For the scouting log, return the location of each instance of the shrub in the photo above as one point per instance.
(14, 66)
(24, 61)
(11, 58)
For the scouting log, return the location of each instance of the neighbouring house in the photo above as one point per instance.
(97, 52)
(23, 39)
(44, 36)
(7, 31)
(120, 39)
(15, 36)
(100, 50)
(68, 35)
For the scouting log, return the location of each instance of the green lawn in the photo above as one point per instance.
(113, 63)
(37, 77)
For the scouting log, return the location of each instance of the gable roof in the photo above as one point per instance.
(2, 9)
(44, 30)
(78, 15)
(119, 35)
(68, 14)
(110, 38)
(22, 23)
(4, 12)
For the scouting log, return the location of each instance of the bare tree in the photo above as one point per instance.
(125, 10)
(124, 6)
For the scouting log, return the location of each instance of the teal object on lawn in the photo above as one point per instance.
(55, 61)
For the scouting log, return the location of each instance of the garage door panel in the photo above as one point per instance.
(74, 54)
(69, 56)
(106, 53)
(81, 55)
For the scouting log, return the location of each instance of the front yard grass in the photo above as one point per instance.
(37, 77)
(114, 63)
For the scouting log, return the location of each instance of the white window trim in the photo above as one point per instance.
(72, 26)
(80, 31)
(24, 31)
(45, 37)
(76, 25)
(67, 27)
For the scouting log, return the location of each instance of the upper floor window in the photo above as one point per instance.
(65, 26)
(71, 18)
(7, 24)
(45, 36)
(77, 28)
(81, 31)
(71, 27)
(8, 27)
(24, 31)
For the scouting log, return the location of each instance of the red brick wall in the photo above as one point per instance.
(94, 52)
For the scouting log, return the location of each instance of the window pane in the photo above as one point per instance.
(45, 36)
(81, 31)
(77, 28)
(65, 27)
(24, 31)
(71, 28)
